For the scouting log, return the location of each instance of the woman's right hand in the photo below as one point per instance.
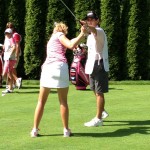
(84, 27)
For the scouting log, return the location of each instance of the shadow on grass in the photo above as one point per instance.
(43, 135)
(115, 89)
(122, 123)
(32, 92)
(26, 92)
(30, 87)
(135, 127)
(117, 133)
(109, 89)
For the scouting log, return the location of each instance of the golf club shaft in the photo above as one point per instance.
(69, 10)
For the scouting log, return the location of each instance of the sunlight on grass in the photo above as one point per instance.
(127, 127)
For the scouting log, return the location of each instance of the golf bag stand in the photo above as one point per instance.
(77, 69)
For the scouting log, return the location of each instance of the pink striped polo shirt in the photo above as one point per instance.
(55, 50)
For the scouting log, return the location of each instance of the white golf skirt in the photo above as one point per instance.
(55, 75)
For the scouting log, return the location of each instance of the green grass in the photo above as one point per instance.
(127, 127)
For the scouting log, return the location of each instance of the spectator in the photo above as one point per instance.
(9, 59)
(17, 37)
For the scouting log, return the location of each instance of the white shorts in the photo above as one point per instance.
(55, 75)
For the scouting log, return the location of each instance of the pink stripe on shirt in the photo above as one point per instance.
(55, 50)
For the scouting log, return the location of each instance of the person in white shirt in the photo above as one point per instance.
(17, 37)
(97, 66)
(9, 59)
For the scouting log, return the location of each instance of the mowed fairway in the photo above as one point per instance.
(126, 128)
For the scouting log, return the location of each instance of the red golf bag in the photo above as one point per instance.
(77, 69)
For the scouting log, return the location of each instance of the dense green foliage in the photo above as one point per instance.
(57, 13)
(17, 15)
(2, 25)
(110, 22)
(34, 39)
(126, 23)
(83, 6)
(137, 41)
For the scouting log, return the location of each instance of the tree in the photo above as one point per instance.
(125, 7)
(143, 35)
(83, 6)
(57, 12)
(148, 4)
(137, 42)
(129, 39)
(17, 15)
(34, 39)
(3, 19)
(110, 22)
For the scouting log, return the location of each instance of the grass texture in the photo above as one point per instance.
(126, 128)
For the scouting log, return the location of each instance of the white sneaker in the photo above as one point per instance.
(94, 123)
(67, 132)
(19, 82)
(34, 132)
(104, 114)
(7, 91)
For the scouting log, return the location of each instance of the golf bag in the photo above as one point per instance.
(77, 69)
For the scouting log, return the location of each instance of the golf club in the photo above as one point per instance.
(70, 11)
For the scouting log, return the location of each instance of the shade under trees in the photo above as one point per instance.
(126, 23)
(17, 16)
(34, 38)
(110, 22)
(137, 40)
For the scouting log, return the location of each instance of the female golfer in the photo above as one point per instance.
(55, 75)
